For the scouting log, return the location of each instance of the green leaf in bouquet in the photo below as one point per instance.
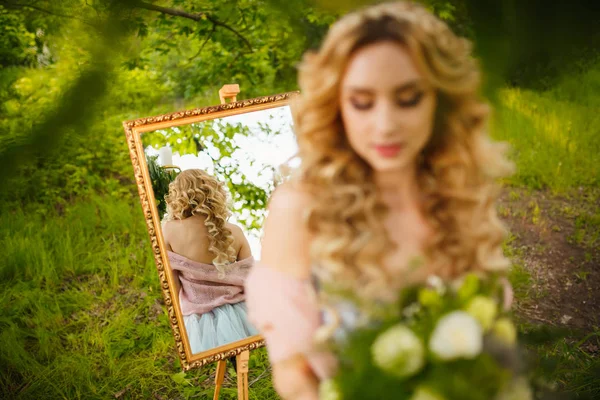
(484, 309)
(469, 288)
(477, 379)
(505, 331)
(426, 393)
(329, 390)
(430, 298)
(517, 389)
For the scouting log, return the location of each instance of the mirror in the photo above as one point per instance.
(204, 178)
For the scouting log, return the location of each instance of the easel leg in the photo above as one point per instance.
(221, 366)
(242, 374)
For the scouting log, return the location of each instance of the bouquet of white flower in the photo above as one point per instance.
(451, 341)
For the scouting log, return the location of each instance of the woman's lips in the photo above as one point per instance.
(388, 150)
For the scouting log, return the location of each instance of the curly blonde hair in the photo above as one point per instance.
(457, 170)
(194, 192)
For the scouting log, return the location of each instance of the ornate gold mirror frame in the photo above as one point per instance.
(133, 131)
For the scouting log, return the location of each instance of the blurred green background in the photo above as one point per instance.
(82, 315)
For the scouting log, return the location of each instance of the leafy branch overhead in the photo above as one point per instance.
(145, 57)
(255, 43)
(198, 17)
(203, 16)
(73, 70)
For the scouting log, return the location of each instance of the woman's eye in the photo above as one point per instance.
(361, 104)
(411, 102)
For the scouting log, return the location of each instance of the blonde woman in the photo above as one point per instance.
(210, 259)
(396, 183)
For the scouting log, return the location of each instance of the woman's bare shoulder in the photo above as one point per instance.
(290, 197)
(166, 226)
(235, 229)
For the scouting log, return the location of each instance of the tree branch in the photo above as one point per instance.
(49, 12)
(194, 17)
(146, 6)
(204, 43)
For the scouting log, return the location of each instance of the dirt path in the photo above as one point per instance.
(556, 240)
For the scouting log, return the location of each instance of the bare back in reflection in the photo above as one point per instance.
(210, 259)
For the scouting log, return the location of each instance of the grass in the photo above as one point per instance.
(82, 315)
(554, 137)
(553, 134)
(561, 359)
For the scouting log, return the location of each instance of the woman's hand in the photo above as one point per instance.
(294, 379)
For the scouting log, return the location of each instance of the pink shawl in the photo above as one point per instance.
(202, 289)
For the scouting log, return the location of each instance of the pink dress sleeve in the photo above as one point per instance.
(285, 311)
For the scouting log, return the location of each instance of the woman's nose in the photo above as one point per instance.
(386, 119)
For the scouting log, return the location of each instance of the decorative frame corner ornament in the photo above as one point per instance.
(133, 130)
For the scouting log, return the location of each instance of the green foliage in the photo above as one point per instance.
(60, 126)
(553, 133)
(82, 312)
(166, 62)
(160, 179)
(197, 57)
(17, 44)
(569, 364)
(77, 165)
(47, 109)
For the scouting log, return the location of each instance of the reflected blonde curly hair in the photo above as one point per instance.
(194, 192)
(457, 170)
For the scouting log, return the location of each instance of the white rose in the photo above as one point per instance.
(456, 335)
(398, 351)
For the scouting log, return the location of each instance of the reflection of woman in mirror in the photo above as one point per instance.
(396, 183)
(210, 259)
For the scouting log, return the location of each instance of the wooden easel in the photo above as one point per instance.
(242, 375)
(230, 92)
